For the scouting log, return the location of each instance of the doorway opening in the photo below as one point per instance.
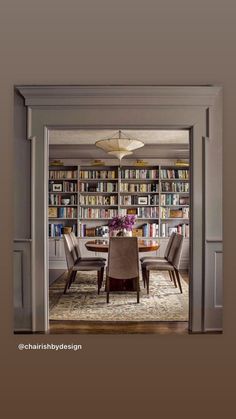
(194, 108)
(86, 189)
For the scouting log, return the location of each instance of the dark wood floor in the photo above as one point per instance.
(82, 327)
(91, 327)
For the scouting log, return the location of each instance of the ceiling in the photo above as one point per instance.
(80, 144)
(90, 136)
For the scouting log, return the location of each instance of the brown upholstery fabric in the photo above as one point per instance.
(174, 257)
(176, 250)
(165, 258)
(78, 253)
(123, 258)
(76, 245)
(71, 257)
(75, 264)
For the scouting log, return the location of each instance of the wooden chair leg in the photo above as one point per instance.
(144, 276)
(173, 276)
(98, 280)
(108, 288)
(72, 278)
(178, 280)
(68, 280)
(137, 290)
(147, 280)
(170, 275)
(102, 275)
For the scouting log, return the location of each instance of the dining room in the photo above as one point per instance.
(118, 201)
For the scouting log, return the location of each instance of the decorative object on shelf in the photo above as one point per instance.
(119, 145)
(182, 163)
(56, 163)
(122, 225)
(142, 200)
(97, 162)
(65, 201)
(57, 187)
(141, 163)
(66, 230)
(52, 212)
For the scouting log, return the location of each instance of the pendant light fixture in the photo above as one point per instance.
(119, 145)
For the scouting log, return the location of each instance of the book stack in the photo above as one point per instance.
(170, 199)
(98, 187)
(175, 187)
(98, 200)
(98, 174)
(63, 174)
(139, 173)
(98, 213)
(174, 174)
(139, 187)
(150, 230)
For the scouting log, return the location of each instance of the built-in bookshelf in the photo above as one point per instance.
(62, 200)
(174, 201)
(158, 196)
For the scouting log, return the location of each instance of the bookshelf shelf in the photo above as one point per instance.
(63, 206)
(58, 218)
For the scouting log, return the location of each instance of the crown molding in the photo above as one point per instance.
(117, 95)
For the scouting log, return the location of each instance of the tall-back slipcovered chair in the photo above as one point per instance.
(123, 261)
(75, 264)
(167, 250)
(172, 265)
(78, 252)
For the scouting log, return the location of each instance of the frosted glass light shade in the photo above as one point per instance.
(119, 146)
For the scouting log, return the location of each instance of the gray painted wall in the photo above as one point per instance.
(135, 42)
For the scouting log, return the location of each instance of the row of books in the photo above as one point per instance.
(98, 200)
(139, 200)
(98, 187)
(63, 187)
(166, 230)
(62, 212)
(58, 199)
(174, 174)
(139, 174)
(142, 212)
(150, 230)
(98, 213)
(174, 199)
(174, 186)
(98, 174)
(56, 230)
(174, 213)
(100, 231)
(63, 174)
(139, 187)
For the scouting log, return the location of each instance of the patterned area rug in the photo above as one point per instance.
(81, 302)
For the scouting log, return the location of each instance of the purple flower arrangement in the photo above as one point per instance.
(125, 222)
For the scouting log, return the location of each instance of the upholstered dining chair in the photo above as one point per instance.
(158, 258)
(123, 261)
(75, 264)
(172, 265)
(78, 252)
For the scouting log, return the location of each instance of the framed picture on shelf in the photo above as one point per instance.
(52, 212)
(131, 211)
(142, 200)
(57, 187)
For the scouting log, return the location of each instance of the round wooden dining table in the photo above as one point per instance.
(102, 246)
